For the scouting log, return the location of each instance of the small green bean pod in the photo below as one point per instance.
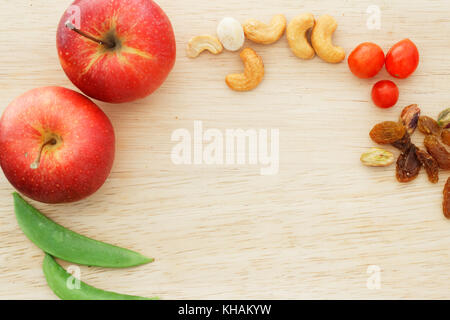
(58, 280)
(67, 245)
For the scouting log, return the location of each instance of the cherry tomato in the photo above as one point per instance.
(385, 94)
(366, 60)
(402, 59)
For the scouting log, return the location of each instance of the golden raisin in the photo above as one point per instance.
(431, 166)
(446, 201)
(437, 151)
(387, 132)
(428, 125)
(445, 136)
(408, 165)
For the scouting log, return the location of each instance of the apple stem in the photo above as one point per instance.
(109, 45)
(36, 162)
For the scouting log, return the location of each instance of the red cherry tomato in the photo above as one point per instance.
(402, 59)
(385, 94)
(366, 60)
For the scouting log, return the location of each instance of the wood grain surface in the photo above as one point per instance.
(310, 231)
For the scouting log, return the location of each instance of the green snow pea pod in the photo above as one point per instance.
(68, 245)
(58, 279)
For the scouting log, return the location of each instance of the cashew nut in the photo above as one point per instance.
(262, 33)
(253, 72)
(231, 34)
(204, 42)
(296, 35)
(321, 40)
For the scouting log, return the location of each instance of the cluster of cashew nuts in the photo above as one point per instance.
(231, 35)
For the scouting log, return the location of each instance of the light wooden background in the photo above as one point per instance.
(226, 231)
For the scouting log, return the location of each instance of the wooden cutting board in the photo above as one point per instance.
(225, 231)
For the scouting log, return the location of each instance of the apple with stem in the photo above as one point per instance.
(56, 145)
(116, 50)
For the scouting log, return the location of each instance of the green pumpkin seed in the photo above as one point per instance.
(444, 118)
(377, 157)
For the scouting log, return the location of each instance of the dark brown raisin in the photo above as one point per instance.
(404, 143)
(408, 165)
(410, 117)
(431, 166)
(387, 132)
(437, 151)
(428, 125)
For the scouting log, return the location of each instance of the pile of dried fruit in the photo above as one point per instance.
(411, 159)
(231, 36)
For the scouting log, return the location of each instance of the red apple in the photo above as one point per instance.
(116, 50)
(56, 145)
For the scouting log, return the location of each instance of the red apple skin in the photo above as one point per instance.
(72, 169)
(141, 61)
